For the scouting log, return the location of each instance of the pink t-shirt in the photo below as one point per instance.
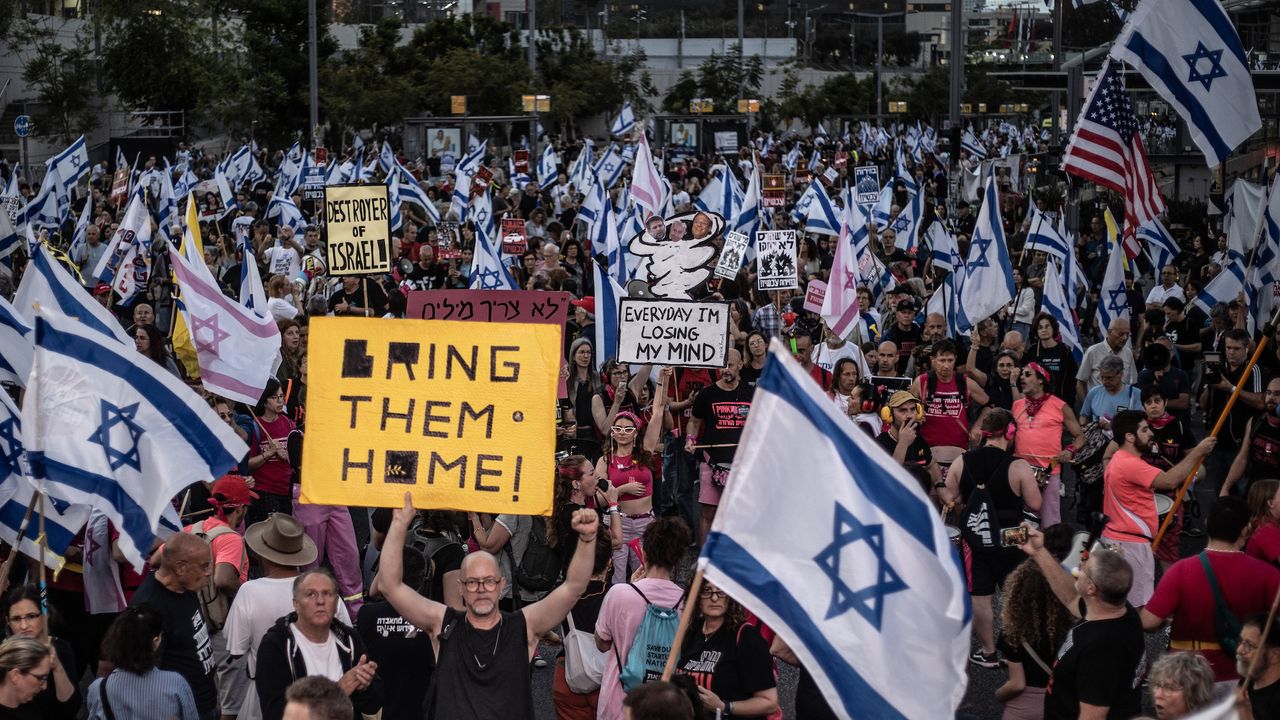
(1039, 436)
(1128, 498)
(1264, 544)
(227, 548)
(946, 421)
(620, 616)
(1247, 584)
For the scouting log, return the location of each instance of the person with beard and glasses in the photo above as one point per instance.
(1042, 418)
(1259, 455)
(483, 654)
(1263, 691)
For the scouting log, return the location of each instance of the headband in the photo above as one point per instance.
(635, 420)
(1038, 369)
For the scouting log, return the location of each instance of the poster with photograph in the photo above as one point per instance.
(735, 249)
(776, 252)
(684, 135)
(212, 199)
(444, 141)
(676, 254)
(448, 241)
(513, 237)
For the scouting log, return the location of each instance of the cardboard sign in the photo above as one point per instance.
(448, 241)
(502, 306)
(358, 229)
(480, 181)
(815, 292)
(675, 255)
(513, 238)
(775, 192)
(776, 252)
(866, 180)
(460, 414)
(521, 160)
(673, 332)
(120, 186)
(730, 262)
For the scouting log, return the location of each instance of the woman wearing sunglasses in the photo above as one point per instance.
(727, 659)
(630, 470)
(25, 668)
(59, 699)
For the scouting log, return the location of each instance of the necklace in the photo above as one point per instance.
(492, 653)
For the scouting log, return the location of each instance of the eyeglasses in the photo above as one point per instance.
(29, 618)
(473, 584)
(1167, 687)
(41, 678)
(712, 594)
(624, 429)
(1246, 646)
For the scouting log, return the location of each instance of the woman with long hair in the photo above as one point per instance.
(755, 356)
(1001, 383)
(290, 350)
(26, 664)
(281, 303)
(845, 377)
(577, 487)
(1262, 534)
(727, 658)
(1048, 349)
(575, 263)
(136, 688)
(149, 341)
(630, 471)
(1034, 624)
(60, 698)
(739, 324)
(583, 384)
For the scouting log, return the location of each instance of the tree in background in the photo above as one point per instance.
(59, 75)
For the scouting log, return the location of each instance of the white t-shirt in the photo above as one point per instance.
(825, 357)
(258, 604)
(1160, 293)
(281, 309)
(320, 658)
(283, 260)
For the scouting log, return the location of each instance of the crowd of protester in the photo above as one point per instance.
(265, 607)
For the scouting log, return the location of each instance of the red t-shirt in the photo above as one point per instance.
(1264, 544)
(1247, 584)
(275, 475)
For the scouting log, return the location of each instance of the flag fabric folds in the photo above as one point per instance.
(869, 592)
(16, 347)
(1043, 236)
(646, 183)
(103, 426)
(608, 294)
(49, 285)
(625, 121)
(1113, 298)
(1191, 54)
(1054, 302)
(988, 278)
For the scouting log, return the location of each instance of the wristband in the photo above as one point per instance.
(1070, 448)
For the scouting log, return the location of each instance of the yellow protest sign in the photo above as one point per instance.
(357, 221)
(461, 414)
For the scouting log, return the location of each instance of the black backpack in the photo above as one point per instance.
(980, 523)
(539, 568)
(428, 546)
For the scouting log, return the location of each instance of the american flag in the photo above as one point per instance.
(1107, 149)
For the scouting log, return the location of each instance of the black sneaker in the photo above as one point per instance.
(982, 659)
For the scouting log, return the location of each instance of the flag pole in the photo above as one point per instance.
(7, 567)
(695, 588)
(43, 541)
(1267, 331)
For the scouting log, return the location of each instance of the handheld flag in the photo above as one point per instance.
(1113, 298)
(1054, 302)
(49, 285)
(646, 183)
(1044, 237)
(252, 293)
(15, 345)
(988, 280)
(624, 122)
(608, 293)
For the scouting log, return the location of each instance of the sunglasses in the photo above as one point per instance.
(623, 429)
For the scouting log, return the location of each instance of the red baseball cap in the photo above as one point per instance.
(587, 303)
(233, 490)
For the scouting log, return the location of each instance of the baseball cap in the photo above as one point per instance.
(232, 491)
(900, 398)
(587, 303)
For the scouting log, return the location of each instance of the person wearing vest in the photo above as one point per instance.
(230, 498)
(1041, 419)
(946, 397)
(1259, 455)
(1009, 487)
(483, 654)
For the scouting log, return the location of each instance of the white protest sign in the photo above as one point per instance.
(673, 332)
(735, 248)
(776, 252)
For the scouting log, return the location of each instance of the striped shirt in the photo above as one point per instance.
(156, 694)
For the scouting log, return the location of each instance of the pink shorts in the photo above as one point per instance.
(708, 492)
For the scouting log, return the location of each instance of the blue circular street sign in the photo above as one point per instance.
(22, 125)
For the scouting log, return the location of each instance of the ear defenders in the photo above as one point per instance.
(886, 413)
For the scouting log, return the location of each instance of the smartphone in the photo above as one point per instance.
(1013, 537)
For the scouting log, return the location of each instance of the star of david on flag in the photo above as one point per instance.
(853, 566)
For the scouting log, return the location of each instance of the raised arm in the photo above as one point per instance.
(425, 614)
(552, 609)
(1060, 581)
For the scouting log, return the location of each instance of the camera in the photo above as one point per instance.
(1013, 537)
(1212, 364)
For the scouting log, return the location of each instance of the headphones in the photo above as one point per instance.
(886, 413)
(870, 397)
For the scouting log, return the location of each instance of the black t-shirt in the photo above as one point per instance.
(811, 704)
(187, 650)
(1062, 366)
(1100, 663)
(918, 452)
(1170, 442)
(723, 414)
(377, 304)
(734, 663)
(432, 277)
(906, 340)
(404, 655)
(1265, 702)
(1035, 675)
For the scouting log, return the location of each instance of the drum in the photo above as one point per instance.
(1164, 504)
(953, 533)
(944, 455)
(1072, 561)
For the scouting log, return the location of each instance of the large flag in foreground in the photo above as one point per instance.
(1191, 54)
(854, 569)
(48, 284)
(104, 426)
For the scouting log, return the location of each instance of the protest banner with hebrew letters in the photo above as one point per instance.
(673, 332)
(357, 222)
(522, 306)
(460, 414)
(513, 237)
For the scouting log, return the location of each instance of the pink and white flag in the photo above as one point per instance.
(646, 183)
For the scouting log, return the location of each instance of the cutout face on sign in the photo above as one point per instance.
(676, 254)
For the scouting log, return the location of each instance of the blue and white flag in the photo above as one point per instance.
(1160, 245)
(49, 285)
(15, 345)
(17, 489)
(882, 211)
(815, 161)
(904, 173)
(80, 240)
(126, 265)
(42, 211)
(487, 269)
(71, 164)
(1054, 302)
(1113, 298)
(815, 211)
(608, 294)
(747, 220)
(287, 212)
(868, 570)
(945, 300)
(166, 205)
(624, 122)
(942, 247)
(1071, 272)
(970, 144)
(106, 427)
(1190, 53)
(720, 194)
(906, 225)
(1043, 236)
(387, 158)
(409, 191)
(547, 168)
(252, 294)
(604, 241)
(792, 158)
(582, 172)
(609, 169)
(988, 280)
(9, 237)
(593, 203)
(1264, 270)
(122, 162)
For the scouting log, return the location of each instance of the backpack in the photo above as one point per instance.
(539, 568)
(428, 546)
(583, 662)
(980, 524)
(214, 604)
(648, 655)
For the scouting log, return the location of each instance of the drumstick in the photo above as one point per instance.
(720, 445)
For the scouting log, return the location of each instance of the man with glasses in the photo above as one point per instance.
(1115, 344)
(1098, 671)
(1129, 497)
(483, 655)
(311, 641)
(1264, 688)
(1168, 288)
(1215, 388)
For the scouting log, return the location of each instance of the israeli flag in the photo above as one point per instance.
(815, 160)
(252, 294)
(1161, 247)
(547, 168)
(945, 301)
(604, 241)
(942, 247)
(1191, 54)
(43, 210)
(126, 265)
(49, 285)
(17, 490)
(71, 164)
(1071, 271)
(9, 239)
(970, 144)
(816, 211)
(409, 191)
(747, 220)
(792, 158)
(387, 158)
(166, 205)
(1043, 236)
(1265, 268)
(593, 204)
(106, 427)
(123, 162)
(907, 223)
(487, 269)
(988, 280)
(287, 212)
(882, 211)
(608, 293)
(1054, 302)
(904, 173)
(625, 121)
(1113, 298)
(609, 169)
(80, 240)
(854, 567)
(582, 173)
(15, 345)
